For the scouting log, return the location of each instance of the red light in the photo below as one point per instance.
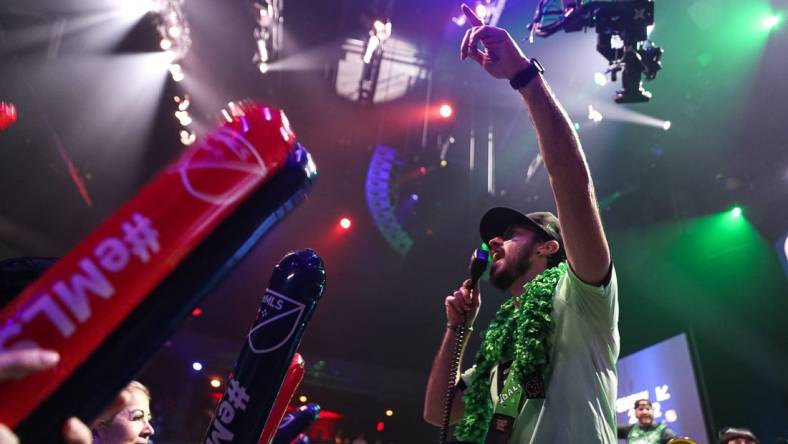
(197, 312)
(7, 115)
(345, 223)
(445, 111)
(380, 426)
(423, 170)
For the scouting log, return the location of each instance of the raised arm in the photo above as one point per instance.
(581, 227)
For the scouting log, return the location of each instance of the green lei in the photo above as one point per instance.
(528, 326)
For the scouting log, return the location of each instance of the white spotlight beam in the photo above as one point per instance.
(617, 113)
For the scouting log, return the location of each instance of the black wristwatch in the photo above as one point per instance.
(522, 78)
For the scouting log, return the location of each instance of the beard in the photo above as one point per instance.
(504, 276)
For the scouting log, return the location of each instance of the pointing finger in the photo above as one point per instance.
(464, 46)
(473, 19)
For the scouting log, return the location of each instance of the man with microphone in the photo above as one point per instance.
(546, 370)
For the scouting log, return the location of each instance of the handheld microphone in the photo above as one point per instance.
(294, 289)
(113, 300)
(479, 261)
(477, 267)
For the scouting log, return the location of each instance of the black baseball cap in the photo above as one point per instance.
(496, 220)
(729, 433)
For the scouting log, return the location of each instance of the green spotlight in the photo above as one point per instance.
(736, 212)
(770, 22)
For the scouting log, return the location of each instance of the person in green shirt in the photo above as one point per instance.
(646, 430)
(546, 370)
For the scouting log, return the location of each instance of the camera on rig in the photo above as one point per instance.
(622, 37)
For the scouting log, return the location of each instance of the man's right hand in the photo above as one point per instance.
(462, 306)
(501, 57)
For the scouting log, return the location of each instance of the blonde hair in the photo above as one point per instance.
(136, 385)
(106, 416)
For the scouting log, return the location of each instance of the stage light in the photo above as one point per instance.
(268, 33)
(176, 72)
(380, 426)
(594, 115)
(8, 115)
(345, 223)
(389, 412)
(173, 29)
(666, 125)
(262, 51)
(197, 312)
(616, 42)
(736, 212)
(381, 30)
(216, 383)
(138, 8)
(785, 247)
(444, 163)
(197, 366)
(459, 20)
(600, 79)
(481, 11)
(414, 197)
(303, 398)
(423, 171)
(445, 111)
(183, 117)
(183, 102)
(489, 11)
(770, 22)
(187, 137)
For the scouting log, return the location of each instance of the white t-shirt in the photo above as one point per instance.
(581, 378)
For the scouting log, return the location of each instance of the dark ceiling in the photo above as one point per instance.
(85, 99)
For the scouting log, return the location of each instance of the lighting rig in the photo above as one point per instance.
(174, 32)
(622, 28)
(268, 34)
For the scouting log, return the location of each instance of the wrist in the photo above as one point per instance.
(522, 63)
(530, 70)
(458, 326)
